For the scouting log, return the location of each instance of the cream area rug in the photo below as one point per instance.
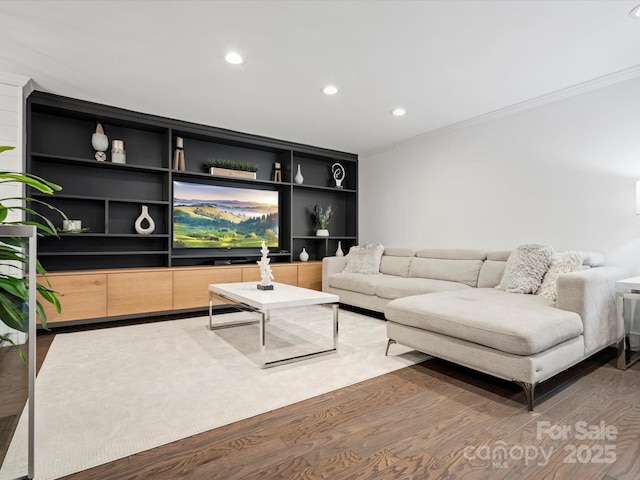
(109, 393)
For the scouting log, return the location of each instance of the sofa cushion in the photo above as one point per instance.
(493, 268)
(499, 255)
(462, 271)
(491, 273)
(525, 268)
(399, 252)
(364, 259)
(392, 265)
(394, 287)
(593, 259)
(518, 324)
(564, 262)
(356, 282)
(452, 253)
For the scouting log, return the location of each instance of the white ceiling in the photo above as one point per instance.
(444, 61)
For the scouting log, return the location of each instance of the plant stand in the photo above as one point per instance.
(21, 231)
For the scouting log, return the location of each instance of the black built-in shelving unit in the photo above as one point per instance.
(108, 197)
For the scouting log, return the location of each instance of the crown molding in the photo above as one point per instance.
(594, 84)
(25, 83)
(15, 80)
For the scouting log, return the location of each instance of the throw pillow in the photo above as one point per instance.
(364, 259)
(560, 263)
(525, 268)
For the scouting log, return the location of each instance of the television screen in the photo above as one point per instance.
(216, 216)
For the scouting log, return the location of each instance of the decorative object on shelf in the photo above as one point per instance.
(323, 217)
(277, 172)
(178, 156)
(265, 270)
(117, 152)
(71, 226)
(100, 143)
(298, 178)
(338, 174)
(339, 252)
(304, 256)
(229, 168)
(145, 216)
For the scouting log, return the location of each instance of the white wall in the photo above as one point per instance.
(13, 91)
(561, 174)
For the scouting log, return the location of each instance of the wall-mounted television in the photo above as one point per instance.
(221, 216)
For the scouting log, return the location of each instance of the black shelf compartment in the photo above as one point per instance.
(198, 148)
(91, 211)
(346, 243)
(93, 181)
(316, 170)
(85, 251)
(344, 221)
(320, 247)
(82, 244)
(67, 133)
(69, 261)
(325, 189)
(122, 216)
(46, 157)
(218, 179)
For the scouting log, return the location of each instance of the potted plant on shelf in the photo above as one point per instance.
(322, 217)
(14, 294)
(230, 168)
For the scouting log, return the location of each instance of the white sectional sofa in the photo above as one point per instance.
(445, 303)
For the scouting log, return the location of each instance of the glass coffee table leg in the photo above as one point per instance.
(334, 307)
(264, 318)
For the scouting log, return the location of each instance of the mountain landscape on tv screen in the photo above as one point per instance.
(224, 223)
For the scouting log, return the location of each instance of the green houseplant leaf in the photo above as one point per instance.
(322, 215)
(231, 165)
(14, 292)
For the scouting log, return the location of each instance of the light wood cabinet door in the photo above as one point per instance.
(139, 292)
(284, 273)
(190, 287)
(310, 275)
(116, 293)
(81, 296)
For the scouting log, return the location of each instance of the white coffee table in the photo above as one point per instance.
(246, 296)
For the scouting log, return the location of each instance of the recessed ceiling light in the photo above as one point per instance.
(398, 112)
(635, 13)
(330, 90)
(234, 58)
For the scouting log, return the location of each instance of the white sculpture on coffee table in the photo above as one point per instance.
(265, 269)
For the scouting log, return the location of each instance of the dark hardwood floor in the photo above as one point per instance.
(432, 420)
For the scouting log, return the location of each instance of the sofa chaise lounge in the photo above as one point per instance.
(445, 303)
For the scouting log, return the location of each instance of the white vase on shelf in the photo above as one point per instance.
(145, 216)
(298, 178)
(304, 256)
(323, 232)
(339, 252)
(100, 143)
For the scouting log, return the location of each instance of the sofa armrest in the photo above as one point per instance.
(592, 295)
(331, 265)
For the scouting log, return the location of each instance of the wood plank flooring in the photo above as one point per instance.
(429, 421)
